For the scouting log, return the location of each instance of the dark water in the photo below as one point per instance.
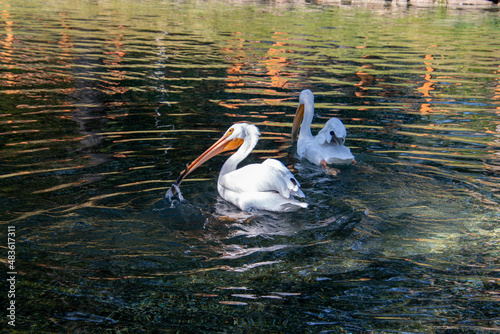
(103, 104)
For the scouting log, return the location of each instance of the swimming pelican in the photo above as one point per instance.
(267, 186)
(328, 145)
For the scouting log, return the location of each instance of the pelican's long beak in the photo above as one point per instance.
(339, 140)
(297, 121)
(222, 145)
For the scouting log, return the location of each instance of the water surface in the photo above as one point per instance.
(103, 104)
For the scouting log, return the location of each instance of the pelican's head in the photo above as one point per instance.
(338, 129)
(306, 98)
(244, 131)
(333, 131)
(231, 140)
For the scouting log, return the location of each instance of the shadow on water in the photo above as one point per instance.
(105, 104)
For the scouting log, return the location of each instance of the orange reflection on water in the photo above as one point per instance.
(494, 163)
(65, 43)
(366, 79)
(246, 69)
(7, 49)
(496, 94)
(276, 61)
(27, 72)
(427, 86)
(234, 53)
(117, 49)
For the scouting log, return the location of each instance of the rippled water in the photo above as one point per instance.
(103, 104)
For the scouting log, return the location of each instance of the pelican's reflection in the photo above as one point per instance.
(223, 231)
(255, 224)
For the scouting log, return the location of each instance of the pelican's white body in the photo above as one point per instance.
(267, 186)
(328, 145)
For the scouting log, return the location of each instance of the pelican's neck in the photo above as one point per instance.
(305, 128)
(232, 162)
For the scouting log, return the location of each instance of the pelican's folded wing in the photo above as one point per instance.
(270, 176)
(291, 182)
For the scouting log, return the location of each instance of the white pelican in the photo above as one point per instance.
(328, 145)
(267, 186)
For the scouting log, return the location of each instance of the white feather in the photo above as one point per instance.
(267, 186)
(328, 145)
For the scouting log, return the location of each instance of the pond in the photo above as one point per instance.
(105, 102)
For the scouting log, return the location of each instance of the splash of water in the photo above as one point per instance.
(172, 191)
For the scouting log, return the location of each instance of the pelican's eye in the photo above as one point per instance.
(230, 131)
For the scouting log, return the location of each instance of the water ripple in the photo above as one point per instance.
(105, 104)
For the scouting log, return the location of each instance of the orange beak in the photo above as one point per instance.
(222, 145)
(297, 121)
